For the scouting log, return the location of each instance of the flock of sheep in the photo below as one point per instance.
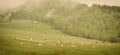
(57, 42)
(49, 42)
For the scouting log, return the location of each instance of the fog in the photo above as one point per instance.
(8, 4)
(101, 2)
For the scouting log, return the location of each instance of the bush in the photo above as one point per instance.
(114, 39)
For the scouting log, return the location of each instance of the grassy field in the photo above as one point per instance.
(22, 37)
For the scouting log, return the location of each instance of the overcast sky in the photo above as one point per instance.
(10, 3)
(102, 2)
(6, 4)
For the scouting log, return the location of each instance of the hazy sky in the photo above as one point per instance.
(6, 4)
(106, 2)
(14, 3)
(10, 3)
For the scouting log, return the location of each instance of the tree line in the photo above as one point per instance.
(100, 22)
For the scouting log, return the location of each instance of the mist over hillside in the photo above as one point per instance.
(9, 4)
(6, 5)
(96, 22)
(59, 27)
(100, 2)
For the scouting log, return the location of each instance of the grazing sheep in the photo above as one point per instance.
(21, 43)
(40, 44)
(31, 39)
(34, 22)
(73, 46)
(16, 38)
(59, 41)
(61, 45)
(82, 43)
(67, 41)
(23, 39)
(35, 40)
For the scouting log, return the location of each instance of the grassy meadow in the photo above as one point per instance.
(23, 37)
(98, 22)
(60, 27)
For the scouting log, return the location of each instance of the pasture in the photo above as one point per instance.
(27, 38)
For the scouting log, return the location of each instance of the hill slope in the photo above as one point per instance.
(28, 38)
(96, 22)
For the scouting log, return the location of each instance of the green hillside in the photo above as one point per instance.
(60, 27)
(100, 22)
(28, 38)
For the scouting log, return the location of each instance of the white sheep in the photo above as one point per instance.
(23, 39)
(16, 38)
(82, 43)
(40, 44)
(94, 46)
(73, 46)
(21, 43)
(61, 45)
(31, 39)
(34, 22)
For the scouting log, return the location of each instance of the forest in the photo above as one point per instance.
(99, 22)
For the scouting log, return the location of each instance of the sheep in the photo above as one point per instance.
(23, 39)
(61, 45)
(94, 46)
(17, 38)
(40, 44)
(34, 22)
(67, 41)
(82, 43)
(35, 40)
(21, 43)
(59, 41)
(31, 39)
(73, 46)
